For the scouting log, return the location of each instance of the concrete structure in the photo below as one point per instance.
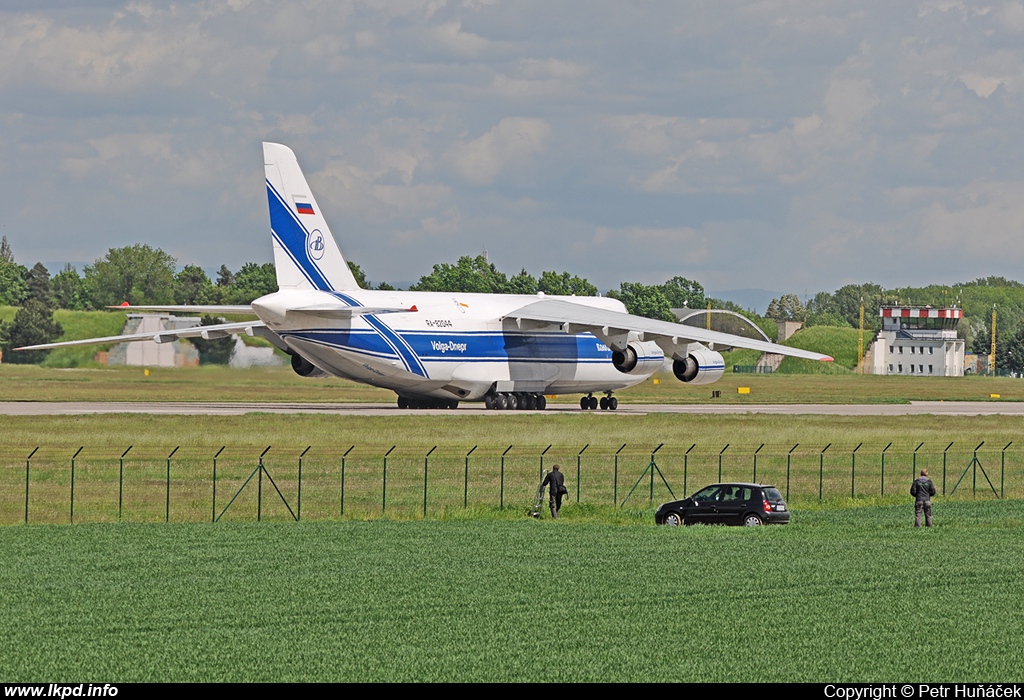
(787, 329)
(918, 341)
(146, 353)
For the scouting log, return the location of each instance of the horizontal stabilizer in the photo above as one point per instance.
(207, 332)
(335, 311)
(191, 308)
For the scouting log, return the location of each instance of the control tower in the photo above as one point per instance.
(919, 341)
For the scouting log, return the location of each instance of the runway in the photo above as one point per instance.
(915, 408)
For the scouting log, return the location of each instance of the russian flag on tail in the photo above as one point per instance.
(304, 208)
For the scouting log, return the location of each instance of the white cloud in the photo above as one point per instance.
(510, 143)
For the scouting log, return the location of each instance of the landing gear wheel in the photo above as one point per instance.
(403, 402)
(489, 402)
(593, 403)
(584, 403)
(751, 520)
(673, 520)
(604, 403)
(512, 401)
(542, 402)
(501, 402)
(613, 403)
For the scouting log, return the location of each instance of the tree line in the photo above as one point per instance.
(141, 274)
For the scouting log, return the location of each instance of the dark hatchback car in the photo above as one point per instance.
(727, 504)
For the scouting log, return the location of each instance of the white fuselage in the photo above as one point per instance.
(454, 346)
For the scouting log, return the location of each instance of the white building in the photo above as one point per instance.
(918, 341)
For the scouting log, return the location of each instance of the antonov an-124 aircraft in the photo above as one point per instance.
(435, 349)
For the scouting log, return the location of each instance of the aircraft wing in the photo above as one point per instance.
(615, 326)
(206, 332)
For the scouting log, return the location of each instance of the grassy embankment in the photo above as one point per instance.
(838, 596)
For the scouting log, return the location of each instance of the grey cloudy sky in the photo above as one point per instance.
(787, 145)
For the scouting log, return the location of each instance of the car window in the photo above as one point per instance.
(711, 493)
(731, 493)
(773, 495)
(746, 493)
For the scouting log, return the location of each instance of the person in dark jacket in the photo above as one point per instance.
(555, 481)
(922, 490)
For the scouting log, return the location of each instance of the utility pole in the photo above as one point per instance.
(992, 357)
(860, 340)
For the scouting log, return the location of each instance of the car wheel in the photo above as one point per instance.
(673, 519)
(751, 520)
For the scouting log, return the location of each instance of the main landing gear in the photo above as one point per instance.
(515, 400)
(607, 402)
(407, 402)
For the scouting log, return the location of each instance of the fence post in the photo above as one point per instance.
(821, 471)
(789, 457)
(501, 498)
(73, 482)
(426, 462)
(213, 506)
(1002, 471)
(615, 476)
(540, 477)
(579, 459)
(384, 492)
(914, 474)
(720, 462)
(686, 465)
(120, 482)
(298, 505)
(853, 471)
(465, 481)
(259, 486)
(883, 466)
(342, 514)
(755, 463)
(651, 468)
(28, 467)
(167, 506)
(944, 467)
(974, 471)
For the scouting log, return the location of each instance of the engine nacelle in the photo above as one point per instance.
(702, 366)
(305, 368)
(639, 358)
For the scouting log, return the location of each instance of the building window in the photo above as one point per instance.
(911, 369)
(911, 349)
(901, 369)
(930, 369)
(890, 369)
(890, 349)
(931, 351)
(920, 368)
(901, 349)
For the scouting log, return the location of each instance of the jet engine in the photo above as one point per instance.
(305, 368)
(701, 366)
(639, 358)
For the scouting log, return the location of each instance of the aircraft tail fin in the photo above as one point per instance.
(306, 255)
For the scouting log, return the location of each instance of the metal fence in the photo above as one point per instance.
(189, 484)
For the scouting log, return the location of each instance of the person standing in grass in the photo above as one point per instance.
(922, 490)
(555, 481)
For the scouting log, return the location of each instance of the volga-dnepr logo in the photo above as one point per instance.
(315, 244)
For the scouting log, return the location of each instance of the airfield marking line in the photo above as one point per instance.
(951, 408)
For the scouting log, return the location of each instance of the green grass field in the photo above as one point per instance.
(839, 595)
